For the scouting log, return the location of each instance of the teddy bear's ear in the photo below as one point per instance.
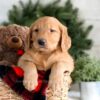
(28, 40)
(2, 29)
(26, 31)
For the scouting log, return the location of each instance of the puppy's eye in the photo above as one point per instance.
(36, 30)
(52, 30)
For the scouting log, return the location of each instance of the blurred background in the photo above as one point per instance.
(89, 11)
(82, 17)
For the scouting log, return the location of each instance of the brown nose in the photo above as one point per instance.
(41, 42)
(15, 39)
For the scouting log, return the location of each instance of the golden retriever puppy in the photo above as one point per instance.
(47, 48)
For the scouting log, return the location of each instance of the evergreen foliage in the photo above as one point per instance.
(27, 13)
(86, 70)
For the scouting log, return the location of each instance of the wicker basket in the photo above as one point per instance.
(6, 93)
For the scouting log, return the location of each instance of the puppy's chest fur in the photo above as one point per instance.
(43, 61)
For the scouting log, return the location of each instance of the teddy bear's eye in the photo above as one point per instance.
(6, 33)
(12, 35)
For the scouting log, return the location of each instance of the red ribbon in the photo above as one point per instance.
(20, 52)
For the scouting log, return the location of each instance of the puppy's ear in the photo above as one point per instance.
(65, 39)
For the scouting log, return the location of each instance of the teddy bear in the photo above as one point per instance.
(12, 43)
(12, 46)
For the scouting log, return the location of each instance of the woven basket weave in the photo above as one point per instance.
(6, 93)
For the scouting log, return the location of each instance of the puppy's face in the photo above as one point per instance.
(46, 34)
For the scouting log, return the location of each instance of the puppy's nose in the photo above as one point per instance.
(15, 39)
(41, 42)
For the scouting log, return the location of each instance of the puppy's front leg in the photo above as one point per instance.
(58, 84)
(30, 74)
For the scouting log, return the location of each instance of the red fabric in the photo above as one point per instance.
(38, 86)
(13, 77)
(19, 72)
(20, 52)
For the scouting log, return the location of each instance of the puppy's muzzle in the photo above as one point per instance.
(42, 42)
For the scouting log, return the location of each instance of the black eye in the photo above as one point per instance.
(52, 30)
(36, 30)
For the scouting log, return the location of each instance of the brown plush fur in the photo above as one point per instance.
(53, 55)
(9, 48)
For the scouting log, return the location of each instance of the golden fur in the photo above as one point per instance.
(54, 55)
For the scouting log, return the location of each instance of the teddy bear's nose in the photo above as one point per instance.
(15, 39)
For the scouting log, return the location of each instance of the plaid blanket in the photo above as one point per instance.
(13, 76)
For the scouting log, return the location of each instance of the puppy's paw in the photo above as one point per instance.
(30, 82)
(56, 83)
